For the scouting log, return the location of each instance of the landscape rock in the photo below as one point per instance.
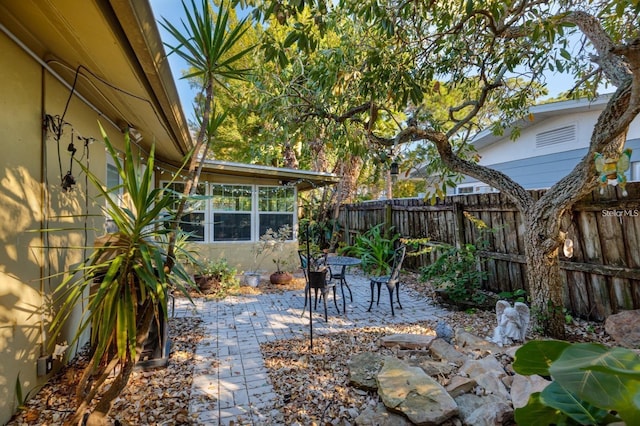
(380, 416)
(363, 368)
(624, 328)
(487, 410)
(432, 368)
(472, 342)
(523, 386)
(459, 385)
(476, 367)
(444, 331)
(407, 341)
(493, 385)
(408, 390)
(443, 351)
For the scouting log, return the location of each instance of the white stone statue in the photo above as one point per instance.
(512, 323)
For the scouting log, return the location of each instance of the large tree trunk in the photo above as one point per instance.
(545, 283)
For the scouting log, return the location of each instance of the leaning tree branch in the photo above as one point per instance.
(476, 104)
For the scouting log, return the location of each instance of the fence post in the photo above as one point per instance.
(388, 219)
(459, 216)
(347, 227)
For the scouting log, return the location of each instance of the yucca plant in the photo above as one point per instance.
(133, 281)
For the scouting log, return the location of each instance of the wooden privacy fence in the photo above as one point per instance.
(602, 277)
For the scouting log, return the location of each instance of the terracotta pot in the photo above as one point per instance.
(281, 278)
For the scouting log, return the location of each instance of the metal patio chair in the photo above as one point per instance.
(392, 281)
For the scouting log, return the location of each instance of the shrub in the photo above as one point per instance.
(459, 272)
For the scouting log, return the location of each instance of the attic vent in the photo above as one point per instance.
(556, 136)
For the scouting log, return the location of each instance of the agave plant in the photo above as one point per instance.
(128, 279)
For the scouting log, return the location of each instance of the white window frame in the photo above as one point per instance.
(254, 212)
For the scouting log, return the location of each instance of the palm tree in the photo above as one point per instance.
(208, 48)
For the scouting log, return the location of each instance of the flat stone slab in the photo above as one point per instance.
(380, 416)
(624, 327)
(408, 390)
(363, 368)
(446, 352)
(407, 341)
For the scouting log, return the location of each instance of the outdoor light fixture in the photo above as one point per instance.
(135, 134)
(394, 170)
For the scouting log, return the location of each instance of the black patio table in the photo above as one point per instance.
(342, 262)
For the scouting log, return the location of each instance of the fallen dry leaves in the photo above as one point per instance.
(152, 397)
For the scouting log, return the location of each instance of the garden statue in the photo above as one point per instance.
(512, 323)
(612, 169)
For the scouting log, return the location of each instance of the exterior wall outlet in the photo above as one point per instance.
(45, 365)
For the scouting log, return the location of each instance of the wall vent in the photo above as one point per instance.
(556, 136)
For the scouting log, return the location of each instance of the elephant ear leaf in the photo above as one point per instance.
(601, 376)
(536, 356)
(558, 398)
(535, 410)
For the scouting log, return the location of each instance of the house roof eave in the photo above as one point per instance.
(302, 179)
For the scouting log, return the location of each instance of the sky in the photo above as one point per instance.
(172, 11)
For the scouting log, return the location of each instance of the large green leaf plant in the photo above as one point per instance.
(125, 278)
(592, 384)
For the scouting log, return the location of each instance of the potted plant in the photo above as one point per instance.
(375, 248)
(271, 244)
(130, 282)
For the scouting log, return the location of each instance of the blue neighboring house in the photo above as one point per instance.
(549, 146)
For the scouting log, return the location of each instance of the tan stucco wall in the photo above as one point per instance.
(240, 256)
(30, 174)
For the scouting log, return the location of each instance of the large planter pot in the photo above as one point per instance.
(252, 279)
(318, 279)
(281, 278)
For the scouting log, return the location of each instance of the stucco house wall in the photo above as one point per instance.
(32, 199)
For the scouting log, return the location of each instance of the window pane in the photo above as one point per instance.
(193, 223)
(178, 189)
(113, 178)
(232, 198)
(276, 199)
(231, 227)
(274, 221)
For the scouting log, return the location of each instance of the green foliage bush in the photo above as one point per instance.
(374, 249)
(592, 384)
(459, 272)
(222, 274)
